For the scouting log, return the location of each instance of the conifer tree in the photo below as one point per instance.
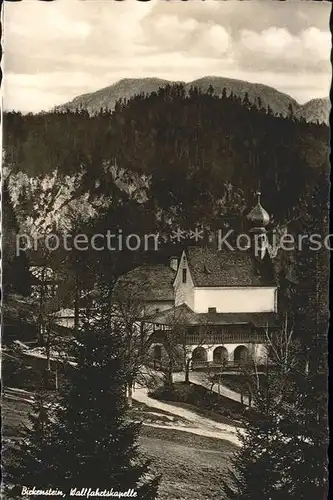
(30, 463)
(90, 440)
(283, 452)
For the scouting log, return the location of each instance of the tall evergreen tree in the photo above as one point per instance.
(90, 440)
(283, 452)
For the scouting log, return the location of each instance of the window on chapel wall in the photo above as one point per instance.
(184, 275)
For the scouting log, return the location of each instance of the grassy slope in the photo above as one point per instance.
(191, 466)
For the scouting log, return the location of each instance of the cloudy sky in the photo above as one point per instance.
(57, 50)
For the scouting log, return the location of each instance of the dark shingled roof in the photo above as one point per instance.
(183, 314)
(149, 282)
(211, 267)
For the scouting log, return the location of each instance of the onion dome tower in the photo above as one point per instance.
(259, 219)
(258, 216)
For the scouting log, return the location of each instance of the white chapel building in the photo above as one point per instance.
(222, 300)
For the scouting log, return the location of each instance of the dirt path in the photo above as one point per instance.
(202, 425)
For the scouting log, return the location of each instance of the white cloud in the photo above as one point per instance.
(316, 43)
(43, 22)
(57, 50)
(309, 48)
(272, 42)
(213, 40)
(168, 32)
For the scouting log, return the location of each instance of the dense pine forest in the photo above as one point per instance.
(196, 148)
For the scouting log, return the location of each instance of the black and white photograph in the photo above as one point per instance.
(165, 249)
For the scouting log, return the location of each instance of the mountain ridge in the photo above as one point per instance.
(317, 109)
(128, 87)
(259, 94)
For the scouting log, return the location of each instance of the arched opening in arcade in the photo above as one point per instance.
(199, 355)
(241, 354)
(220, 355)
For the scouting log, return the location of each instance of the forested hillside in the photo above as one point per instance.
(191, 155)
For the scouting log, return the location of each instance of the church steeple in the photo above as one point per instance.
(258, 216)
(259, 219)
